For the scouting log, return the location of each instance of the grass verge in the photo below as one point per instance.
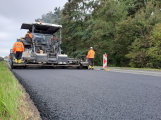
(12, 100)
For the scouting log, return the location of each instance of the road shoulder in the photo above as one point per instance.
(31, 110)
(141, 71)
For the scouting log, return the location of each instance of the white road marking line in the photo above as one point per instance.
(138, 72)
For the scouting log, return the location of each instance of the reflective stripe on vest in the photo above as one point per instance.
(18, 46)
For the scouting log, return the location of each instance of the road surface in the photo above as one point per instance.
(72, 94)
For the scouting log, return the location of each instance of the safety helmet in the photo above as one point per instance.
(91, 47)
(18, 39)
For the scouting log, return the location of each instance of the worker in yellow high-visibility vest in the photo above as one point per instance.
(90, 57)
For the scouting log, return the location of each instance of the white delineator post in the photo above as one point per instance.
(104, 61)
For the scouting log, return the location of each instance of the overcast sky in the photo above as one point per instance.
(15, 12)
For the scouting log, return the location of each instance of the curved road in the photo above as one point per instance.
(72, 94)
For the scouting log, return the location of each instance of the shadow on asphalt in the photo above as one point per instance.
(42, 68)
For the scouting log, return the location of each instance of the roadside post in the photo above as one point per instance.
(105, 62)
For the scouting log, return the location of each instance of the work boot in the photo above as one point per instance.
(89, 67)
(15, 60)
(92, 67)
(19, 61)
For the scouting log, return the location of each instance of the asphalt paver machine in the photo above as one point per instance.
(41, 52)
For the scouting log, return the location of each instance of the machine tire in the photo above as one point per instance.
(11, 64)
(12, 67)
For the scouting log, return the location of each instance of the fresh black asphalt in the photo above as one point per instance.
(72, 94)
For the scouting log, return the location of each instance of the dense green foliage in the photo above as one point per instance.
(128, 31)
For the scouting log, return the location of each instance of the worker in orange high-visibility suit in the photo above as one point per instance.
(52, 40)
(90, 57)
(18, 49)
(28, 36)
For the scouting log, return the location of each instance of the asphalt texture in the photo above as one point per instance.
(72, 94)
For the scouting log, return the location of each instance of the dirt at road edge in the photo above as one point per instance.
(30, 108)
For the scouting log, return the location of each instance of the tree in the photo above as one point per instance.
(50, 17)
(107, 18)
(77, 19)
(144, 49)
